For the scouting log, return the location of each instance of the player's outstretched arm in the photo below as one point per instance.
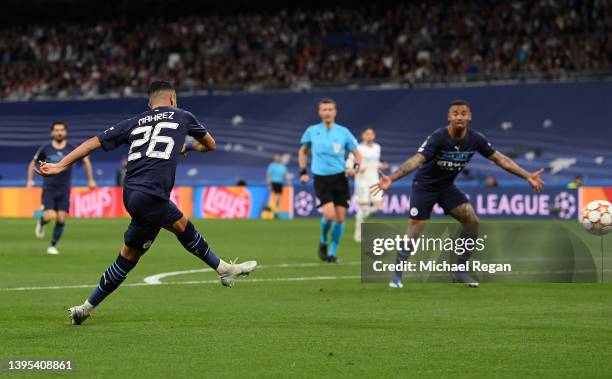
(83, 150)
(406, 168)
(203, 145)
(91, 183)
(512, 167)
(31, 167)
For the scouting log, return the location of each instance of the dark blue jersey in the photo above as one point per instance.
(47, 153)
(155, 140)
(445, 157)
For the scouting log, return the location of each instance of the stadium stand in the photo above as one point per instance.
(402, 43)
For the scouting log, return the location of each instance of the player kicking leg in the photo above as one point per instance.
(156, 138)
(149, 215)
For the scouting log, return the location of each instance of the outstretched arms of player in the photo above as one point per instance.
(91, 183)
(83, 150)
(31, 168)
(406, 168)
(202, 144)
(512, 167)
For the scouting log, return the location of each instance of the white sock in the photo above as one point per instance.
(359, 216)
(223, 266)
(88, 306)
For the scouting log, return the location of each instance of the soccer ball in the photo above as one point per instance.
(596, 217)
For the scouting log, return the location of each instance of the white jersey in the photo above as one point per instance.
(370, 161)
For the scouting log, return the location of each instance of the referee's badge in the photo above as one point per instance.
(337, 148)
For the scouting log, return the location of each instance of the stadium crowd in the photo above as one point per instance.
(410, 42)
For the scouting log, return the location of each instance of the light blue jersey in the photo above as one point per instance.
(277, 172)
(328, 148)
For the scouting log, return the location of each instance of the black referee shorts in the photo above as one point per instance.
(332, 188)
(277, 188)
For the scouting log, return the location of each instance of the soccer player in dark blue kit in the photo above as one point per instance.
(439, 160)
(156, 140)
(56, 190)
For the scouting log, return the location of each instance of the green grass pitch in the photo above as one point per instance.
(296, 317)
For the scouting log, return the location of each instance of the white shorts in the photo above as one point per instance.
(362, 190)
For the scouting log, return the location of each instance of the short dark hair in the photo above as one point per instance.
(459, 102)
(159, 85)
(368, 128)
(58, 123)
(327, 100)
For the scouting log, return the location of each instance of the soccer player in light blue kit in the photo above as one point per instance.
(276, 174)
(329, 144)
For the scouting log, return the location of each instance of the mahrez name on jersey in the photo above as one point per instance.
(156, 117)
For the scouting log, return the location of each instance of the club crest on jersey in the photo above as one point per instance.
(422, 147)
(337, 148)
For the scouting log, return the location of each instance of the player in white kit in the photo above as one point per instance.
(366, 177)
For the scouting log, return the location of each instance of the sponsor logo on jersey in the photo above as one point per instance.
(453, 160)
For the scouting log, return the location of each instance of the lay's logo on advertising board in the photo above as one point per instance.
(226, 202)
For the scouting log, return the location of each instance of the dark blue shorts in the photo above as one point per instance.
(56, 200)
(149, 215)
(423, 200)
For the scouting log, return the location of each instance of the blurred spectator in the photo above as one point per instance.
(276, 176)
(577, 182)
(409, 42)
(491, 181)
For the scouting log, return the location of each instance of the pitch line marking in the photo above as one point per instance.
(191, 282)
(156, 279)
